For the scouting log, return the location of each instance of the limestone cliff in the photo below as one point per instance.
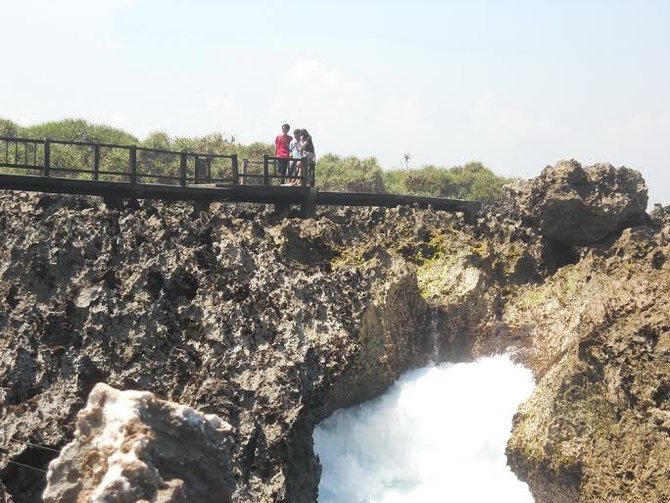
(266, 323)
(273, 324)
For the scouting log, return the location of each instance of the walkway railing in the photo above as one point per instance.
(129, 171)
(266, 172)
(101, 161)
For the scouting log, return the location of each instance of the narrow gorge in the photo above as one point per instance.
(229, 334)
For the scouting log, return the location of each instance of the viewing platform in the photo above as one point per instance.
(130, 171)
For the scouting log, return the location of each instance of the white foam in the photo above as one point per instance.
(437, 435)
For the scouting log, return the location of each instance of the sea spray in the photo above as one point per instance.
(437, 435)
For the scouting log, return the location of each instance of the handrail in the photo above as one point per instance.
(21, 140)
(194, 174)
(133, 168)
(111, 145)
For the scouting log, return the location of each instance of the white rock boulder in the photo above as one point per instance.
(130, 446)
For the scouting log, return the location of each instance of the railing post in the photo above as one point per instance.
(96, 162)
(236, 171)
(132, 164)
(266, 170)
(245, 170)
(183, 161)
(47, 156)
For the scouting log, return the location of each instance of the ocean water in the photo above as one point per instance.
(437, 435)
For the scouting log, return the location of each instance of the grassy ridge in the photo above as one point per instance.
(469, 181)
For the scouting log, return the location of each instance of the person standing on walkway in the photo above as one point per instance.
(282, 142)
(296, 153)
(308, 155)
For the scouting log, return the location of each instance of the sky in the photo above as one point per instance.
(515, 84)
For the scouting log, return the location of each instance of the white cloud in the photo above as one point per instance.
(345, 114)
(315, 93)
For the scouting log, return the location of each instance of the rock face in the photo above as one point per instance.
(232, 311)
(597, 426)
(582, 206)
(273, 324)
(130, 446)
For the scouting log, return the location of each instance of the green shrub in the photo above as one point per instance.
(254, 151)
(8, 128)
(470, 181)
(215, 143)
(429, 181)
(78, 130)
(349, 174)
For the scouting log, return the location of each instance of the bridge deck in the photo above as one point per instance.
(279, 195)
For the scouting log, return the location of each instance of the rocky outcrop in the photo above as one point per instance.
(582, 206)
(272, 324)
(269, 324)
(597, 335)
(130, 446)
(4, 497)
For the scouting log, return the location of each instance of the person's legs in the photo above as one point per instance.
(282, 168)
(299, 170)
(312, 166)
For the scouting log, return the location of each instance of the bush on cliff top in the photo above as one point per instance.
(333, 172)
(8, 128)
(349, 174)
(470, 181)
(77, 130)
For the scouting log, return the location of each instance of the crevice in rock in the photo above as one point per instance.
(181, 284)
(564, 254)
(155, 283)
(662, 395)
(26, 483)
(11, 298)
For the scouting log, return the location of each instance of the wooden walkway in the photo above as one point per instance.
(128, 171)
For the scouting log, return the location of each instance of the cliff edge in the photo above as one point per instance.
(273, 324)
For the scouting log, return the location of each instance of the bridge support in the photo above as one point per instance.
(282, 209)
(308, 207)
(113, 202)
(199, 206)
(470, 217)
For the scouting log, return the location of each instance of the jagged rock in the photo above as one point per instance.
(581, 206)
(598, 338)
(660, 215)
(231, 311)
(4, 497)
(272, 324)
(131, 446)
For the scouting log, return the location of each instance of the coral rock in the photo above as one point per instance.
(581, 206)
(131, 446)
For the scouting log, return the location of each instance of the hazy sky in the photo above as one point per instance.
(516, 84)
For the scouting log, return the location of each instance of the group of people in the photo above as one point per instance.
(294, 155)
